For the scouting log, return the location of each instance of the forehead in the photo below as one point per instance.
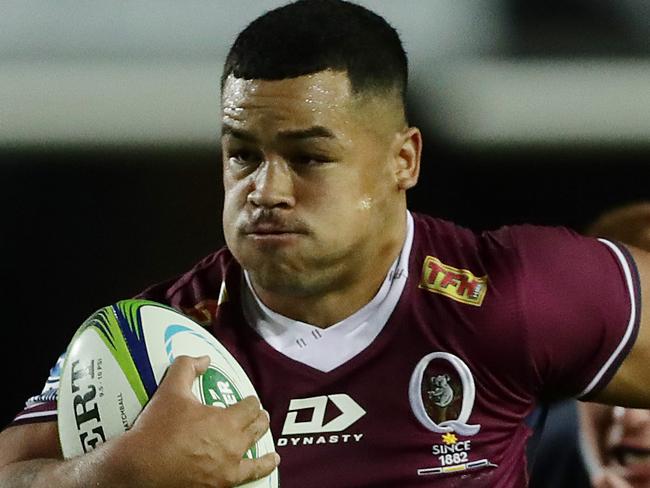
(322, 98)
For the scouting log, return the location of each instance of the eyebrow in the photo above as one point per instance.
(228, 130)
(317, 131)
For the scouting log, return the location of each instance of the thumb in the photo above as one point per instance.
(183, 371)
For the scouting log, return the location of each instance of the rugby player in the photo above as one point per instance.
(391, 349)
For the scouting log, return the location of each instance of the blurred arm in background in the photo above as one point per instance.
(615, 442)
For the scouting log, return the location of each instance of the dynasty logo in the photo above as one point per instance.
(305, 423)
(458, 284)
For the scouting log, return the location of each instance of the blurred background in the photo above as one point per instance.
(532, 111)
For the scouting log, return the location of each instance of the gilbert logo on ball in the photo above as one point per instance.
(117, 359)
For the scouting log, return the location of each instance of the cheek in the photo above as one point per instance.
(366, 203)
(235, 194)
(353, 193)
(343, 209)
(329, 197)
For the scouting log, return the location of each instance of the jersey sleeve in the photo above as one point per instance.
(579, 300)
(42, 407)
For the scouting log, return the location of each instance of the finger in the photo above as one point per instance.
(254, 469)
(246, 410)
(256, 429)
(183, 371)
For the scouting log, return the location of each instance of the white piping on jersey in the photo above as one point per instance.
(326, 349)
(34, 415)
(630, 326)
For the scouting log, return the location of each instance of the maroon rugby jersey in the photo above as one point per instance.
(486, 326)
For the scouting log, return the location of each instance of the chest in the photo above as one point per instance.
(407, 411)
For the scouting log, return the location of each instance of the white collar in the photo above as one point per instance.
(326, 349)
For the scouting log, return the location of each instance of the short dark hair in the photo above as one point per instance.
(309, 36)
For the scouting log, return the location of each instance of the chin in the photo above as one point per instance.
(279, 282)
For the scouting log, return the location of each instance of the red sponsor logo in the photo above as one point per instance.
(458, 284)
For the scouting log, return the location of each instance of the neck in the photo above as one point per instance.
(346, 296)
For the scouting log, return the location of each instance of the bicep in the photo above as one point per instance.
(29, 441)
(630, 386)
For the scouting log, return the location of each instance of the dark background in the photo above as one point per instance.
(85, 226)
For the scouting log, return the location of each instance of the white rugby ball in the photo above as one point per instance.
(117, 359)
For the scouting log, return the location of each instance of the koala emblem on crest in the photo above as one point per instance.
(441, 392)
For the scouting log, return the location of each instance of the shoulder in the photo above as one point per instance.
(439, 236)
(510, 267)
(558, 302)
(515, 245)
(493, 254)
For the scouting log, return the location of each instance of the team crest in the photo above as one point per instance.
(442, 392)
(458, 284)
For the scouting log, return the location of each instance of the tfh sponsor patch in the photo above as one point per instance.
(458, 284)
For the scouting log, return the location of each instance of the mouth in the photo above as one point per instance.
(271, 234)
(268, 231)
(270, 227)
(267, 228)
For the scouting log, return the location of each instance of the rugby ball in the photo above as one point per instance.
(117, 359)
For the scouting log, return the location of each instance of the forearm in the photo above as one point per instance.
(38, 473)
(100, 468)
(205, 448)
(593, 420)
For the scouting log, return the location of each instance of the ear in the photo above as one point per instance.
(408, 151)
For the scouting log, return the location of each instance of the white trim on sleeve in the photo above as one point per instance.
(25, 416)
(630, 326)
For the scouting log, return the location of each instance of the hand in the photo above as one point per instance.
(179, 442)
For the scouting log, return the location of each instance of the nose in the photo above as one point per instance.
(272, 185)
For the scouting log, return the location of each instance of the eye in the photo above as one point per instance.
(310, 159)
(244, 157)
